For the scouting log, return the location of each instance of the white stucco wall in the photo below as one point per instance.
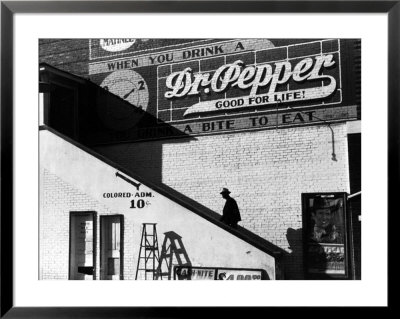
(84, 180)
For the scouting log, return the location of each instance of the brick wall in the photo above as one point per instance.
(58, 199)
(267, 171)
(69, 55)
(170, 110)
(74, 180)
(72, 55)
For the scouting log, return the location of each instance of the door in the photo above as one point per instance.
(111, 244)
(82, 237)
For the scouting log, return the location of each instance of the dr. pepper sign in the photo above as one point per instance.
(257, 80)
(237, 74)
(212, 86)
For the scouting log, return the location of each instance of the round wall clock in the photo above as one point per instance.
(130, 86)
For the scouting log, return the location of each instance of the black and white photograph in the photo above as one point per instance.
(146, 144)
(199, 159)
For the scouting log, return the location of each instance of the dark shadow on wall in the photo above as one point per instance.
(173, 253)
(105, 122)
(292, 268)
(92, 115)
(316, 260)
(109, 125)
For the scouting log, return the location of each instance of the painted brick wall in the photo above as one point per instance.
(69, 55)
(267, 171)
(58, 199)
(174, 109)
(63, 164)
(72, 55)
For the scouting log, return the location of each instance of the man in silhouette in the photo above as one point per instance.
(230, 214)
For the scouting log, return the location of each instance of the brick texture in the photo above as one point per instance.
(267, 171)
(69, 55)
(58, 199)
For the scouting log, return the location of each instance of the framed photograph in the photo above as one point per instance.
(327, 236)
(136, 158)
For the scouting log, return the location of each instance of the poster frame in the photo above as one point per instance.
(347, 237)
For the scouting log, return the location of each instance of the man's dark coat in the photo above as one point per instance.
(231, 214)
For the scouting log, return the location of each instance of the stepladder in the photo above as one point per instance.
(173, 253)
(149, 256)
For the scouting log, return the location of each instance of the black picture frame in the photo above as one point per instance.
(9, 8)
(346, 235)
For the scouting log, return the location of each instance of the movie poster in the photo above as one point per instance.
(326, 236)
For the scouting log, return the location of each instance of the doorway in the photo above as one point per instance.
(111, 247)
(82, 238)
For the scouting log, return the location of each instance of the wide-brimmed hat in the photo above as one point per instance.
(321, 202)
(225, 191)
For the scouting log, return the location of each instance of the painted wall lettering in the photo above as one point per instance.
(186, 83)
(254, 77)
(211, 273)
(114, 45)
(211, 86)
